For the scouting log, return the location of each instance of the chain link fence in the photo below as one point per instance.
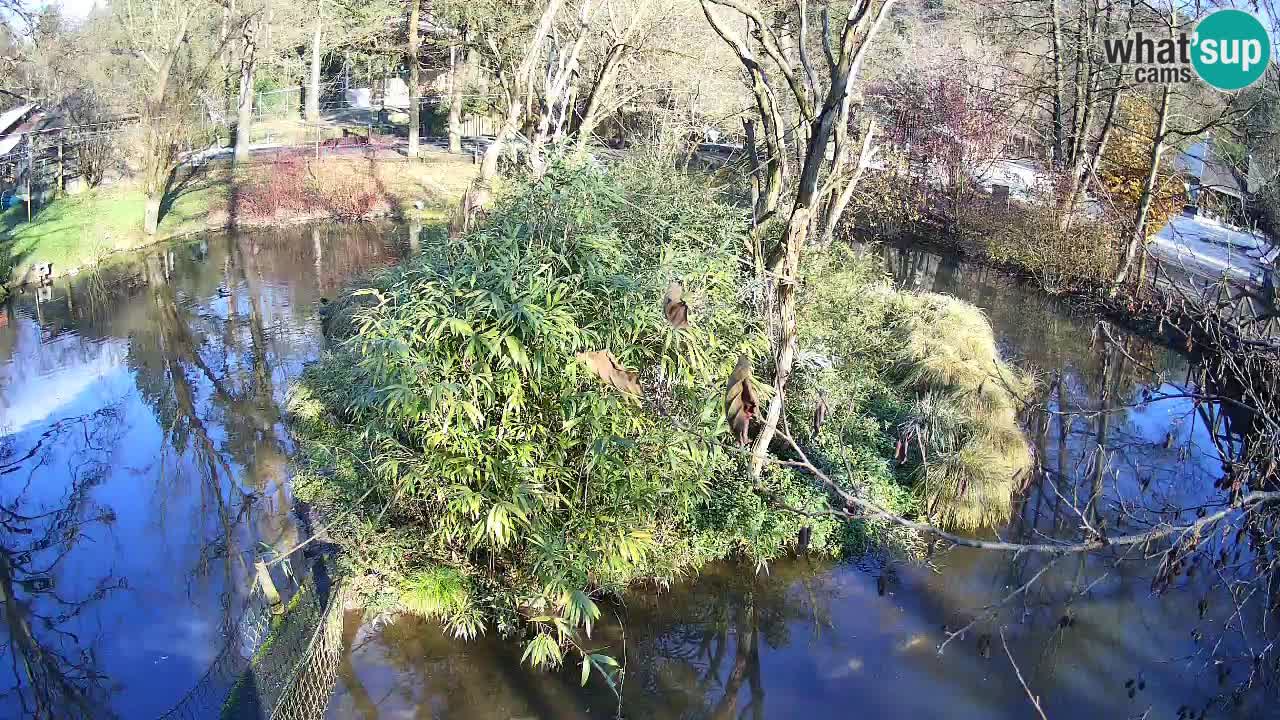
(280, 664)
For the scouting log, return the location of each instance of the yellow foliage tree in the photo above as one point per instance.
(1125, 163)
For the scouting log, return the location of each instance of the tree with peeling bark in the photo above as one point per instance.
(514, 49)
(823, 106)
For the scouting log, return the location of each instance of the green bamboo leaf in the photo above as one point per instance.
(516, 350)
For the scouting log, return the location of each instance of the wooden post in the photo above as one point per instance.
(268, 587)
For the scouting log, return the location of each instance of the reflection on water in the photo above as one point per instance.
(143, 461)
(809, 639)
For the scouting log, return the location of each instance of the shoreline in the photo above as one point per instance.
(427, 214)
(78, 233)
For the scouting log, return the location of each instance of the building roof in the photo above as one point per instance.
(13, 125)
(13, 117)
(1212, 172)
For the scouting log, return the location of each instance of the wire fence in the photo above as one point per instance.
(278, 665)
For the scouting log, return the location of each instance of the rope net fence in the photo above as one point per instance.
(282, 664)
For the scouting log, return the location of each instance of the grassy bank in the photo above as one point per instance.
(77, 231)
(509, 427)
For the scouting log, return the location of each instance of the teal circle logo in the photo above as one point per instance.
(1232, 49)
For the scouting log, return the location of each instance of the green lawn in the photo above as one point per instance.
(77, 231)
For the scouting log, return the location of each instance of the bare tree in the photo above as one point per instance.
(559, 84)
(1138, 238)
(313, 86)
(159, 33)
(462, 58)
(516, 80)
(823, 116)
(248, 70)
(621, 46)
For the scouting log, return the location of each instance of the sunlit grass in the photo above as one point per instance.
(77, 231)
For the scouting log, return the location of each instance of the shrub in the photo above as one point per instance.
(458, 413)
(922, 367)
(301, 188)
(845, 338)
(484, 475)
(962, 429)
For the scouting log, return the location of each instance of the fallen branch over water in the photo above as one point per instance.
(1099, 541)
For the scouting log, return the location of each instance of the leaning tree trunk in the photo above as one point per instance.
(595, 97)
(154, 172)
(1138, 239)
(412, 59)
(158, 143)
(313, 87)
(619, 51)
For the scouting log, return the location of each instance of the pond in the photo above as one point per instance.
(144, 463)
(143, 459)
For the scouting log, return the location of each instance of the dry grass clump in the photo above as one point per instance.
(963, 427)
(297, 188)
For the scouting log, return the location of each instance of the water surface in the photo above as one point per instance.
(144, 467)
(144, 464)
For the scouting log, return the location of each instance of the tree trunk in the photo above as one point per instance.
(819, 133)
(244, 109)
(412, 59)
(1055, 38)
(609, 68)
(457, 93)
(785, 355)
(836, 210)
(1138, 239)
(151, 221)
(313, 88)
(757, 182)
(157, 140)
(775, 167)
(557, 90)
